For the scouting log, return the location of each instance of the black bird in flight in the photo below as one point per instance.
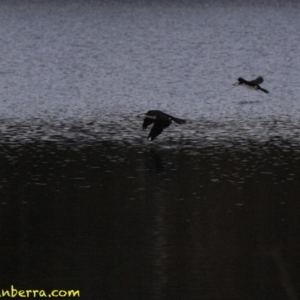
(253, 84)
(160, 120)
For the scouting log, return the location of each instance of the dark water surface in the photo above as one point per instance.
(210, 209)
(152, 222)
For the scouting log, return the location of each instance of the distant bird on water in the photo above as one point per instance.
(160, 120)
(253, 84)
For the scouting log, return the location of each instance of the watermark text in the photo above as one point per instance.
(14, 293)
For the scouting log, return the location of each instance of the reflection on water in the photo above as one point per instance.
(152, 222)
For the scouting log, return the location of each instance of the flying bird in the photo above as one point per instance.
(253, 84)
(161, 121)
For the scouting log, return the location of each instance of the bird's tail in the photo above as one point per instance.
(179, 121)
(263, 90)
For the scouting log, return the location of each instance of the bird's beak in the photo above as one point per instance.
(235, 84)
(141, 116)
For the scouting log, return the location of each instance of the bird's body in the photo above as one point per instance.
(253, 84)
(161, 121)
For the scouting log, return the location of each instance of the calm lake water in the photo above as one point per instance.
(210, 209)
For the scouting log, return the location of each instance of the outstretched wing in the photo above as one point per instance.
(147, 122)
(155, 131)
(257, 81)
(158, 127)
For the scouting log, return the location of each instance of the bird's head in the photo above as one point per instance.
(240, 81)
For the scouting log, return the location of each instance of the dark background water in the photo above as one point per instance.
(210, 209)
(152, 222)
